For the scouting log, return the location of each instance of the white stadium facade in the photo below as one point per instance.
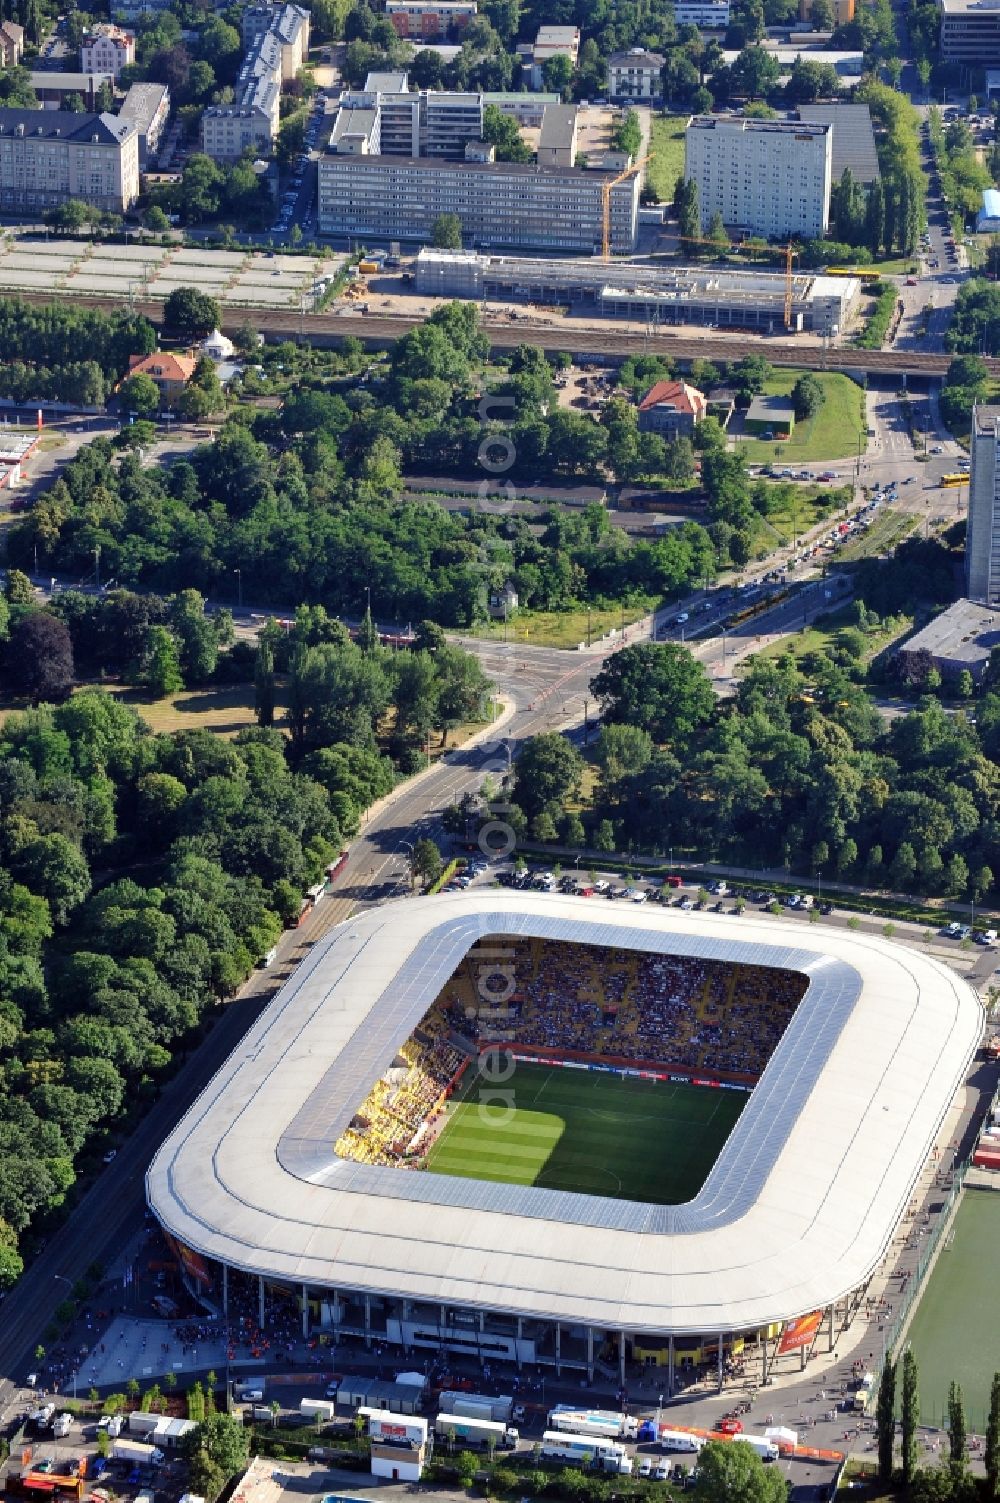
(788, 1228)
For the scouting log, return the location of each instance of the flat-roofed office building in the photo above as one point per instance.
(982, 535)
(497, 203)
(970, 32)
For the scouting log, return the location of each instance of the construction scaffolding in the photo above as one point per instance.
(737, 297)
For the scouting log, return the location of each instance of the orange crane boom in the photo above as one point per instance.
(606, 203)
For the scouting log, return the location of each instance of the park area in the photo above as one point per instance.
(837, 431)
(588, 1131)
(666, 142)
(955, 1332)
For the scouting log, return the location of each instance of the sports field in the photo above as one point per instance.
(579, 1130)
(955, 1332)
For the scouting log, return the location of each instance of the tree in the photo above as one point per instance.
(11, 1262)
(627, 135)
(689, 215)
(557, 73)
(57, 870)
(425, 863)
(161, 671)
(196, 635)
(221, 1441)
(749, 376)
(502, 131)
(446, 232)
(808, 396)
(39, 658)
(659, 688)
(264, 687)
(909, 1415)
(139, 394)
(958, 1434)
(991, 1457)
(156, 220)
(547, 772)
(821, 15)
(733, 1471)
(885, 1422)
(604, 836)
(18, 589)
(189, 311)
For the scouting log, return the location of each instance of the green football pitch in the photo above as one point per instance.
(581, 1130)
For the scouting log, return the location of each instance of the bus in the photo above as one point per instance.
(863, 273)
(585, 1450)
(957, 479)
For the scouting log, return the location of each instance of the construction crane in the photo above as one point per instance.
(606, 203)
(788, 251)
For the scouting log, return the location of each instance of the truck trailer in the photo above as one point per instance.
(766, 1449)
(586, 1450)
(475, 1434)
(594, 1422)
(477, 1406)
(135, 1451)
(395, 1429)
(317, 1409)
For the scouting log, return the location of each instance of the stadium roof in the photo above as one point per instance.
(797, 1211)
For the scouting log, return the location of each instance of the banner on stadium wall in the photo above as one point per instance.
(536, 1057)
(799, 1333)
(193, 1263)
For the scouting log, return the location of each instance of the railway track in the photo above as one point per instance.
(380, 330)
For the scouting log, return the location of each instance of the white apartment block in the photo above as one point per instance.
(551, 41)
(768, 177)
(48, 156)
(289, 23)
(430, 20)
(707, 15)
(147, 105)
(107, 49)
(982, 537)
(251, 122)
(503, 204)
(428, 123)
(635, 76)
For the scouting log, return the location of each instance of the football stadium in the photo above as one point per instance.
(554, 1131)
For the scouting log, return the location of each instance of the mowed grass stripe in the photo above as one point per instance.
(588, 1132)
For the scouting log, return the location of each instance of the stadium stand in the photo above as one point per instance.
(690, 1015)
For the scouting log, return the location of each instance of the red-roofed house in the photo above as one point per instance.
(170, 372)
(671, 409)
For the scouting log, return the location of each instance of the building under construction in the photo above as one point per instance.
(652, 293)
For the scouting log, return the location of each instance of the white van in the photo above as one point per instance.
(248, 1393)
(679, 1440)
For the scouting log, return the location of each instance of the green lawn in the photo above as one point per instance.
(797, 509)
(580, 1130)
(889, 528)
(833, 433)
(823, 635)
(955, 1333)
(560, 628)
(667, 150)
